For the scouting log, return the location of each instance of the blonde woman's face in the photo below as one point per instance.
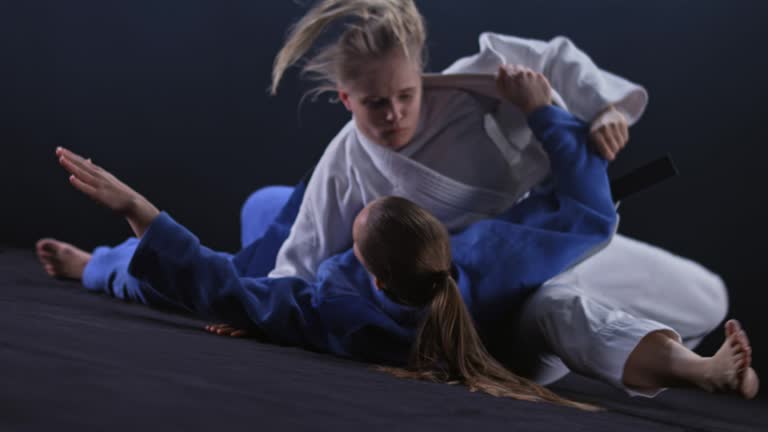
(386, 99)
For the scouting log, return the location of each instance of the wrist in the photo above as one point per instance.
(141, 215)
(532, 108)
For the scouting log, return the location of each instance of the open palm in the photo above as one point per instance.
(107, 190)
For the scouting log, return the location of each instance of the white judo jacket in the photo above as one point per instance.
(463, 114)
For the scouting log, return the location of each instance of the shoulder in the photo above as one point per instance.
(337, 159)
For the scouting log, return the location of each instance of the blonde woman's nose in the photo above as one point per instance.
(395, 113)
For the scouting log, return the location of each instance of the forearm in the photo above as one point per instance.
(171, 260)
(580, 173)
(141, 215)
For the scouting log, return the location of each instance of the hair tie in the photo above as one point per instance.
(441, 277)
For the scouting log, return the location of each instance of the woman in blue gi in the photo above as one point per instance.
(424, 291)
(408, 253)
(454, 146)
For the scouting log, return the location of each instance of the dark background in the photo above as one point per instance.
(171, 96)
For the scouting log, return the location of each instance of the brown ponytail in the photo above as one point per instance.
(408, 251)
(449, 350)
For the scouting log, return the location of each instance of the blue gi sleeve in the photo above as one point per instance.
(580, 174)
(173, 262)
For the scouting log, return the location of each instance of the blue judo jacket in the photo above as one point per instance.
(497, 262)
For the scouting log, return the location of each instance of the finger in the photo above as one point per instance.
(623, 130)
(609, 138)
(84, 187)
(512, 69)
(77, 171)
(239, 333)
(603, 148)
(614, 142)
(79, 161)
(61, 151)
(618, 137)
(523, 70)
(225, 330)
(501, 79)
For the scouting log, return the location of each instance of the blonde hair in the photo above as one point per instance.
(373, 29)
(408, 250)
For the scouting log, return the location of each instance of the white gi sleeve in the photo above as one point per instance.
(586, 89)
(323, 225)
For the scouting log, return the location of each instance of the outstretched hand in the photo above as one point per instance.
(609, 133)
(523, 87)
(107, 190)
(226, 330)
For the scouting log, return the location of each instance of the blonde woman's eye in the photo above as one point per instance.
(377, 103)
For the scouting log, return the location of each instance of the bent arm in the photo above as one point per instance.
(579, 173)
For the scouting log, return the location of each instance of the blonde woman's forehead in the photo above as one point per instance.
(385, 77)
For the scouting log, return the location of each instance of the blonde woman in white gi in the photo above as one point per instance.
(453, 144)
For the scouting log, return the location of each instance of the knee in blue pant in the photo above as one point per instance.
(260, 210)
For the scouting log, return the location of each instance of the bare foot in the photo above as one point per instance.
(226, 330)
(730, 369)
(62, 260)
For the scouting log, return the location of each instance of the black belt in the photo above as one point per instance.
(643, 177)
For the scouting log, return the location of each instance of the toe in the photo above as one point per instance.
(750, 384)
(48, 245)
(745, 338)
(731, 327)
(40, 243)
(741, 362)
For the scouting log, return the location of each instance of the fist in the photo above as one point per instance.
(609, 133)
(527, 89)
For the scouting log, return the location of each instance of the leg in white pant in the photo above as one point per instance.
(592, 317)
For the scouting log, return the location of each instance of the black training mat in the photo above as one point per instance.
(71, 360)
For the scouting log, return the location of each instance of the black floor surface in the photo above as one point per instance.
(70, 360)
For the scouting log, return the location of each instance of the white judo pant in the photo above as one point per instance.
(589, 319)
